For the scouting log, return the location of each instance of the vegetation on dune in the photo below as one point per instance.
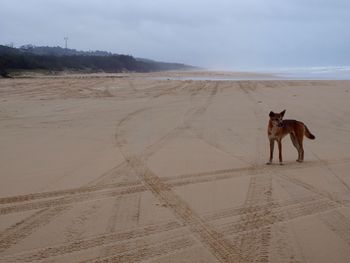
(59, 59)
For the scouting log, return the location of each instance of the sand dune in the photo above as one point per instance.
(148, 168)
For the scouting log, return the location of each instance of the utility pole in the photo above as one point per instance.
(66, 41)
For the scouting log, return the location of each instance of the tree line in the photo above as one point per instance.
(24, 59)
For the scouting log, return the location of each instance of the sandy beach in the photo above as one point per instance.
(155, 168)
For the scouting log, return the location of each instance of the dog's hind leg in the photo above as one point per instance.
(301, 150)
(296, 145)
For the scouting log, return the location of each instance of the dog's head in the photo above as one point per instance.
(276, 118)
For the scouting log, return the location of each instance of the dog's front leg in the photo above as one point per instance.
(280, 151)
(272, 145)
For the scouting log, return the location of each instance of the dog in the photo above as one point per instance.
(279, 128)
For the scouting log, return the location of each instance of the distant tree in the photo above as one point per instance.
(4, 73)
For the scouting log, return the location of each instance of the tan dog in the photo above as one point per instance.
(279, 128)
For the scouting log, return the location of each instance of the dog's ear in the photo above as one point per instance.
(283, 112)
(271, 114)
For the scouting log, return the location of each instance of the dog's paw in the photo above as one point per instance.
(269, 163)
(281, 163)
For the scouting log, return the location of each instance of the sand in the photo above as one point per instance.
(139, 168)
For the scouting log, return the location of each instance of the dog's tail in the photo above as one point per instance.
(308, 134)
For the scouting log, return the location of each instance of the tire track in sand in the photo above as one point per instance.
(256, 226)
(43, 218)
(248, 87)
(27, 226)
(70, 200)
(22, 202)
(337, 223)
(254, 245)
(331, 196)
(24, 228)
(218, 245)
(261, 240)
(203, 109)
(282, 212)
(278, 214)
(125, 212)
(145, 251)
(108, 242)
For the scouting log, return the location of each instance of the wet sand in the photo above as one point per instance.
(138, 168)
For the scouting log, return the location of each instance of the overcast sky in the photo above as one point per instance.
(217, 34)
